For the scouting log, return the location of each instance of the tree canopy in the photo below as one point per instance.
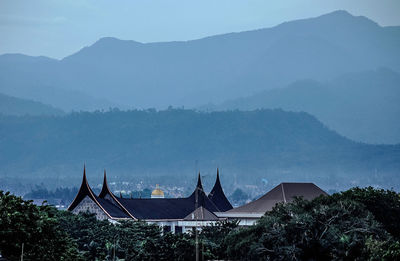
(358, 224)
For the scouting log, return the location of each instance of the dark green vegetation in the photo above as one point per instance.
(37, 227)
(62, 196)
(15, 106)
(269, 144)
(362, 106)
(359, 224)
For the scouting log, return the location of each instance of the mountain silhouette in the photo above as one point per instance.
(271, 144)
(213, 69)
(363, 106)
(15, 106)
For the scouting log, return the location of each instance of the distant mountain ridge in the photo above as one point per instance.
(37, 78)
(272, 144)
(15, 106)
(212, 69)
(363, 106)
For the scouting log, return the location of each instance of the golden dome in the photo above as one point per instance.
(157, 193)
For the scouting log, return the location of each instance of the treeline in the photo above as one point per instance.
(64, 195)
(271, 144)
(359, 224)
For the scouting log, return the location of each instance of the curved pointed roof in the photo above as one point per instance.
(217, 196)
(84, 191)
(199, 184)
(147, 209)
(105, 190)
(202, 199)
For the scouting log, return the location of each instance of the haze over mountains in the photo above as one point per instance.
(342, 69)
(364, 106)
(129, 74)
(16, 106)
(270, 144)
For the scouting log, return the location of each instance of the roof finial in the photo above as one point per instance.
(104, 190)
(199, 185)
(120, 194)
(84, 171)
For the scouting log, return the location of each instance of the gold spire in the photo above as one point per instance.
(157, 192)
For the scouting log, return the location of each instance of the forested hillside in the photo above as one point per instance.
(272, 144)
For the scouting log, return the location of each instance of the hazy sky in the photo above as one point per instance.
(58, 28)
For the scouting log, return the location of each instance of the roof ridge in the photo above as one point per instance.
(106, 190)
(283, 193)
(81, 192)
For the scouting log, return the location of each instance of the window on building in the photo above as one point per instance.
(178, 230)
(166, 229)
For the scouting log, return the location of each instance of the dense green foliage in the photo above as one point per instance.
(60, 195)
(42, 192)
(282, 144)
(37, 227)
(359, 224)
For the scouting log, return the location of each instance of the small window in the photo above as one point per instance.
(166, 229)
(178, 230)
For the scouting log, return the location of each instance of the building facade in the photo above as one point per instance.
(173, 214)
(179, 215)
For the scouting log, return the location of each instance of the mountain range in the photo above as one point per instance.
(16, 106)
(363, 106)
(270, 144)
(329, 66)
(129, 74)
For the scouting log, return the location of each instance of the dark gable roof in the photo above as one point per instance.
(168, 208)
(156, 208)
(85, 191)
(284, 192)
(201, 214)
(217, 196)
(107, 195)
(112, 209)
